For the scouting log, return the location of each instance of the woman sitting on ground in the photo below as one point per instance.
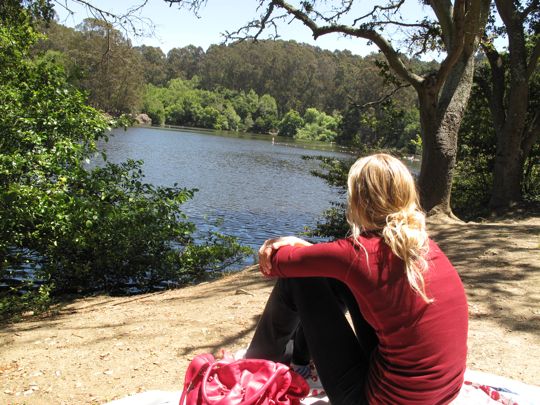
(406, 300)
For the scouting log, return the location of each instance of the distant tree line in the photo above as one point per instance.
(245, 86)
(457, 30)
(300, 77)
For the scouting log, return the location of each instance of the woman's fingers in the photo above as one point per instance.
(290, 241)
(265, 254)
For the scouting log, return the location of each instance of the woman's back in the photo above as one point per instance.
(422, 349)
(405, 288)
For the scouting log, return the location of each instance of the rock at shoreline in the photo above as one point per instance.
(143, 119)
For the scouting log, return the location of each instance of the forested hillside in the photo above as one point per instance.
(266, 86)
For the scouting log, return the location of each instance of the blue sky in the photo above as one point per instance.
(178, 27)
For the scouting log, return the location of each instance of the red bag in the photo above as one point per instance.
(241, 382)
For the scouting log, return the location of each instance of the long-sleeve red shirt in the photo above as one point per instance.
(422, 350)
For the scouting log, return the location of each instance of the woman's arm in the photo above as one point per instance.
(331, 259)
(271, 246)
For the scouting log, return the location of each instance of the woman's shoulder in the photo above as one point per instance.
(370, 241)
(434, 249)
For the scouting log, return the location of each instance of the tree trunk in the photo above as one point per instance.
(440, 118)
(510, 156)
(508, 169)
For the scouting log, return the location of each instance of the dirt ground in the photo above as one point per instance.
(101, 348)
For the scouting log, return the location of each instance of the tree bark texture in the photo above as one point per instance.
(509, 109)
(441, 117)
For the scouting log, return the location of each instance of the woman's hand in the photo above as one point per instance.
(270, 246)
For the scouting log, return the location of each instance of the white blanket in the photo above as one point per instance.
(512, 392)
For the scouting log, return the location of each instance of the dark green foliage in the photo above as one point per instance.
(254, 83)
(210, 258)
(384, 125)
(23, 298)
(290, 124)
(531, 175)
(266, 114)
(80, 229)
(184, 63)
(334, 172)
(472, 186)
(109, 228)
(298, 76)
(350, 125)
(531, 172)
(35, 9)
(154, 64)
(334, 224)
(472, 182)
(101, 61)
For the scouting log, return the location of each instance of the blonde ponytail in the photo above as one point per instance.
(382, 197)
(405, 233)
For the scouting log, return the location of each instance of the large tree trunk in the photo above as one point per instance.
(511, 121)
(508, 168)
(440, 118)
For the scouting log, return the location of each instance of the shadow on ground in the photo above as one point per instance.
(500, 268)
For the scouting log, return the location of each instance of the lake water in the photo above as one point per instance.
(256, 189)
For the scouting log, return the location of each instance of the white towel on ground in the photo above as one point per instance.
(516, 391)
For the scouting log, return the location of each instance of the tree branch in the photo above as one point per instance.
(507, 11)
(401, 24)
(129, 21)
(382, 99)
(373, 12)
(443, 11)
(533, 6)
(362, 32)
(269, 12)
(345, 10)
(496, 98)
(533, 58)
(455, 42)
(242, 33)
(469, 18)
(192, 5)
(338, 12)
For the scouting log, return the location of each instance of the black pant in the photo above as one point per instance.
(340, 355)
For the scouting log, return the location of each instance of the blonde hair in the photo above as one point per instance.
(382, 197)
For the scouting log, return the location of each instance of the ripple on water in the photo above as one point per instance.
(256, 189)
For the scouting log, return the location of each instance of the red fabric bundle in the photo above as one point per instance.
(241, 382)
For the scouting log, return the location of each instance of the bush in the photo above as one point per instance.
(290, 123)
(153, 105)
(78, 229)
(318, 126)
(334, 172)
